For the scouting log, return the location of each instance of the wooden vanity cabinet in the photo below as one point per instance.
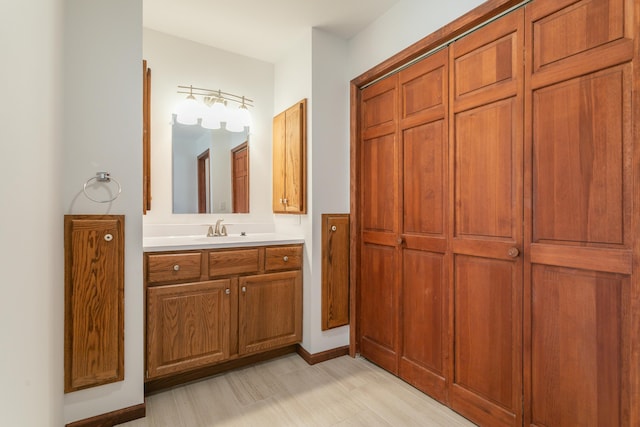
(269, 311)
(211, 306)
(187, 326)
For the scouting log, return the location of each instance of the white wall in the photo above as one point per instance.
(404, 24)
(292, 83)
(102, 131)
(31, 307)
(174, 61)
(330, 164)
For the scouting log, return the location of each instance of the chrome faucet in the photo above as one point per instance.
(219, 230)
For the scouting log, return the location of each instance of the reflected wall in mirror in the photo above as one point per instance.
(210, 170)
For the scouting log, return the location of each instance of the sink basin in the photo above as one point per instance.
(168, 243)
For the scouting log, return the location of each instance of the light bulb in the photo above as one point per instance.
(188, 111)
(238, 119)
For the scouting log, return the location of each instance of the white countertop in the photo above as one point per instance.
(177, 243)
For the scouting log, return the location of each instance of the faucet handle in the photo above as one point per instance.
(210, 231)
(223, 230)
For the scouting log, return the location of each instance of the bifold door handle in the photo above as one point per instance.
(513, 252)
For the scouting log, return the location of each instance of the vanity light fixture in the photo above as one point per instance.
(214, 109)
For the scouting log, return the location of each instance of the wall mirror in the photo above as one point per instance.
(210, 170)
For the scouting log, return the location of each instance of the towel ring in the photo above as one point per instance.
(101, 177)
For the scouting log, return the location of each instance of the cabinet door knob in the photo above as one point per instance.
(285, 258)
(513, 252)
(176, 267)
(400, 241)
(285, 201)
(244, 289)
(227, 291)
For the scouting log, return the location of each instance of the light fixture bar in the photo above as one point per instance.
(216, 94)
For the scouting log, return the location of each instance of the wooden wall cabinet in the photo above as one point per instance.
(211, 306)
(94, 300)
(290, 160)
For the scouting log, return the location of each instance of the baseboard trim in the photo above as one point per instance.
(156, 385)
(312, 359)
(113, 418)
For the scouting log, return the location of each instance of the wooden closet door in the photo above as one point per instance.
(580, 296)
(424, 140)
(379, 207)
(487, 176)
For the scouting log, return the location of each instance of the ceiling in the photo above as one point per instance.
(261, 29)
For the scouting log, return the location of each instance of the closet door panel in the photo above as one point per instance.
(487, 219)
(379, 180)
(580, 181)
(423, 328)
(424, 179)
(562, 29)
(486, 64)
(580, 292)
(424, 345)
(577, 343)
(484, 167)
(379, 306)
(379, 263)
(484, 336)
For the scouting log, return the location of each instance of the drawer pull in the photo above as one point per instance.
(176, 267)
(227, 291)
(285, 258)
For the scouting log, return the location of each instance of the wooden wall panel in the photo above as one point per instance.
(335, 270)
(94, 300)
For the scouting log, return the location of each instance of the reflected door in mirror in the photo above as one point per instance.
(240, 178)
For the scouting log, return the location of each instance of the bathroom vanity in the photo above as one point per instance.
(215, 300)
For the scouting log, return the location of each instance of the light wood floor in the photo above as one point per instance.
(288, 392)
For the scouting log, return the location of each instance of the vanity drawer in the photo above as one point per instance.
(283, 258)
(173, 267)
(222, 263)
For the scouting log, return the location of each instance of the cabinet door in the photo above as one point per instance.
(290, 160)
(269, 311)
(278, 162)
(295, 159)
(187, 326)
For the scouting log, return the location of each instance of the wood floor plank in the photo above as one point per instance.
(286, 392)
